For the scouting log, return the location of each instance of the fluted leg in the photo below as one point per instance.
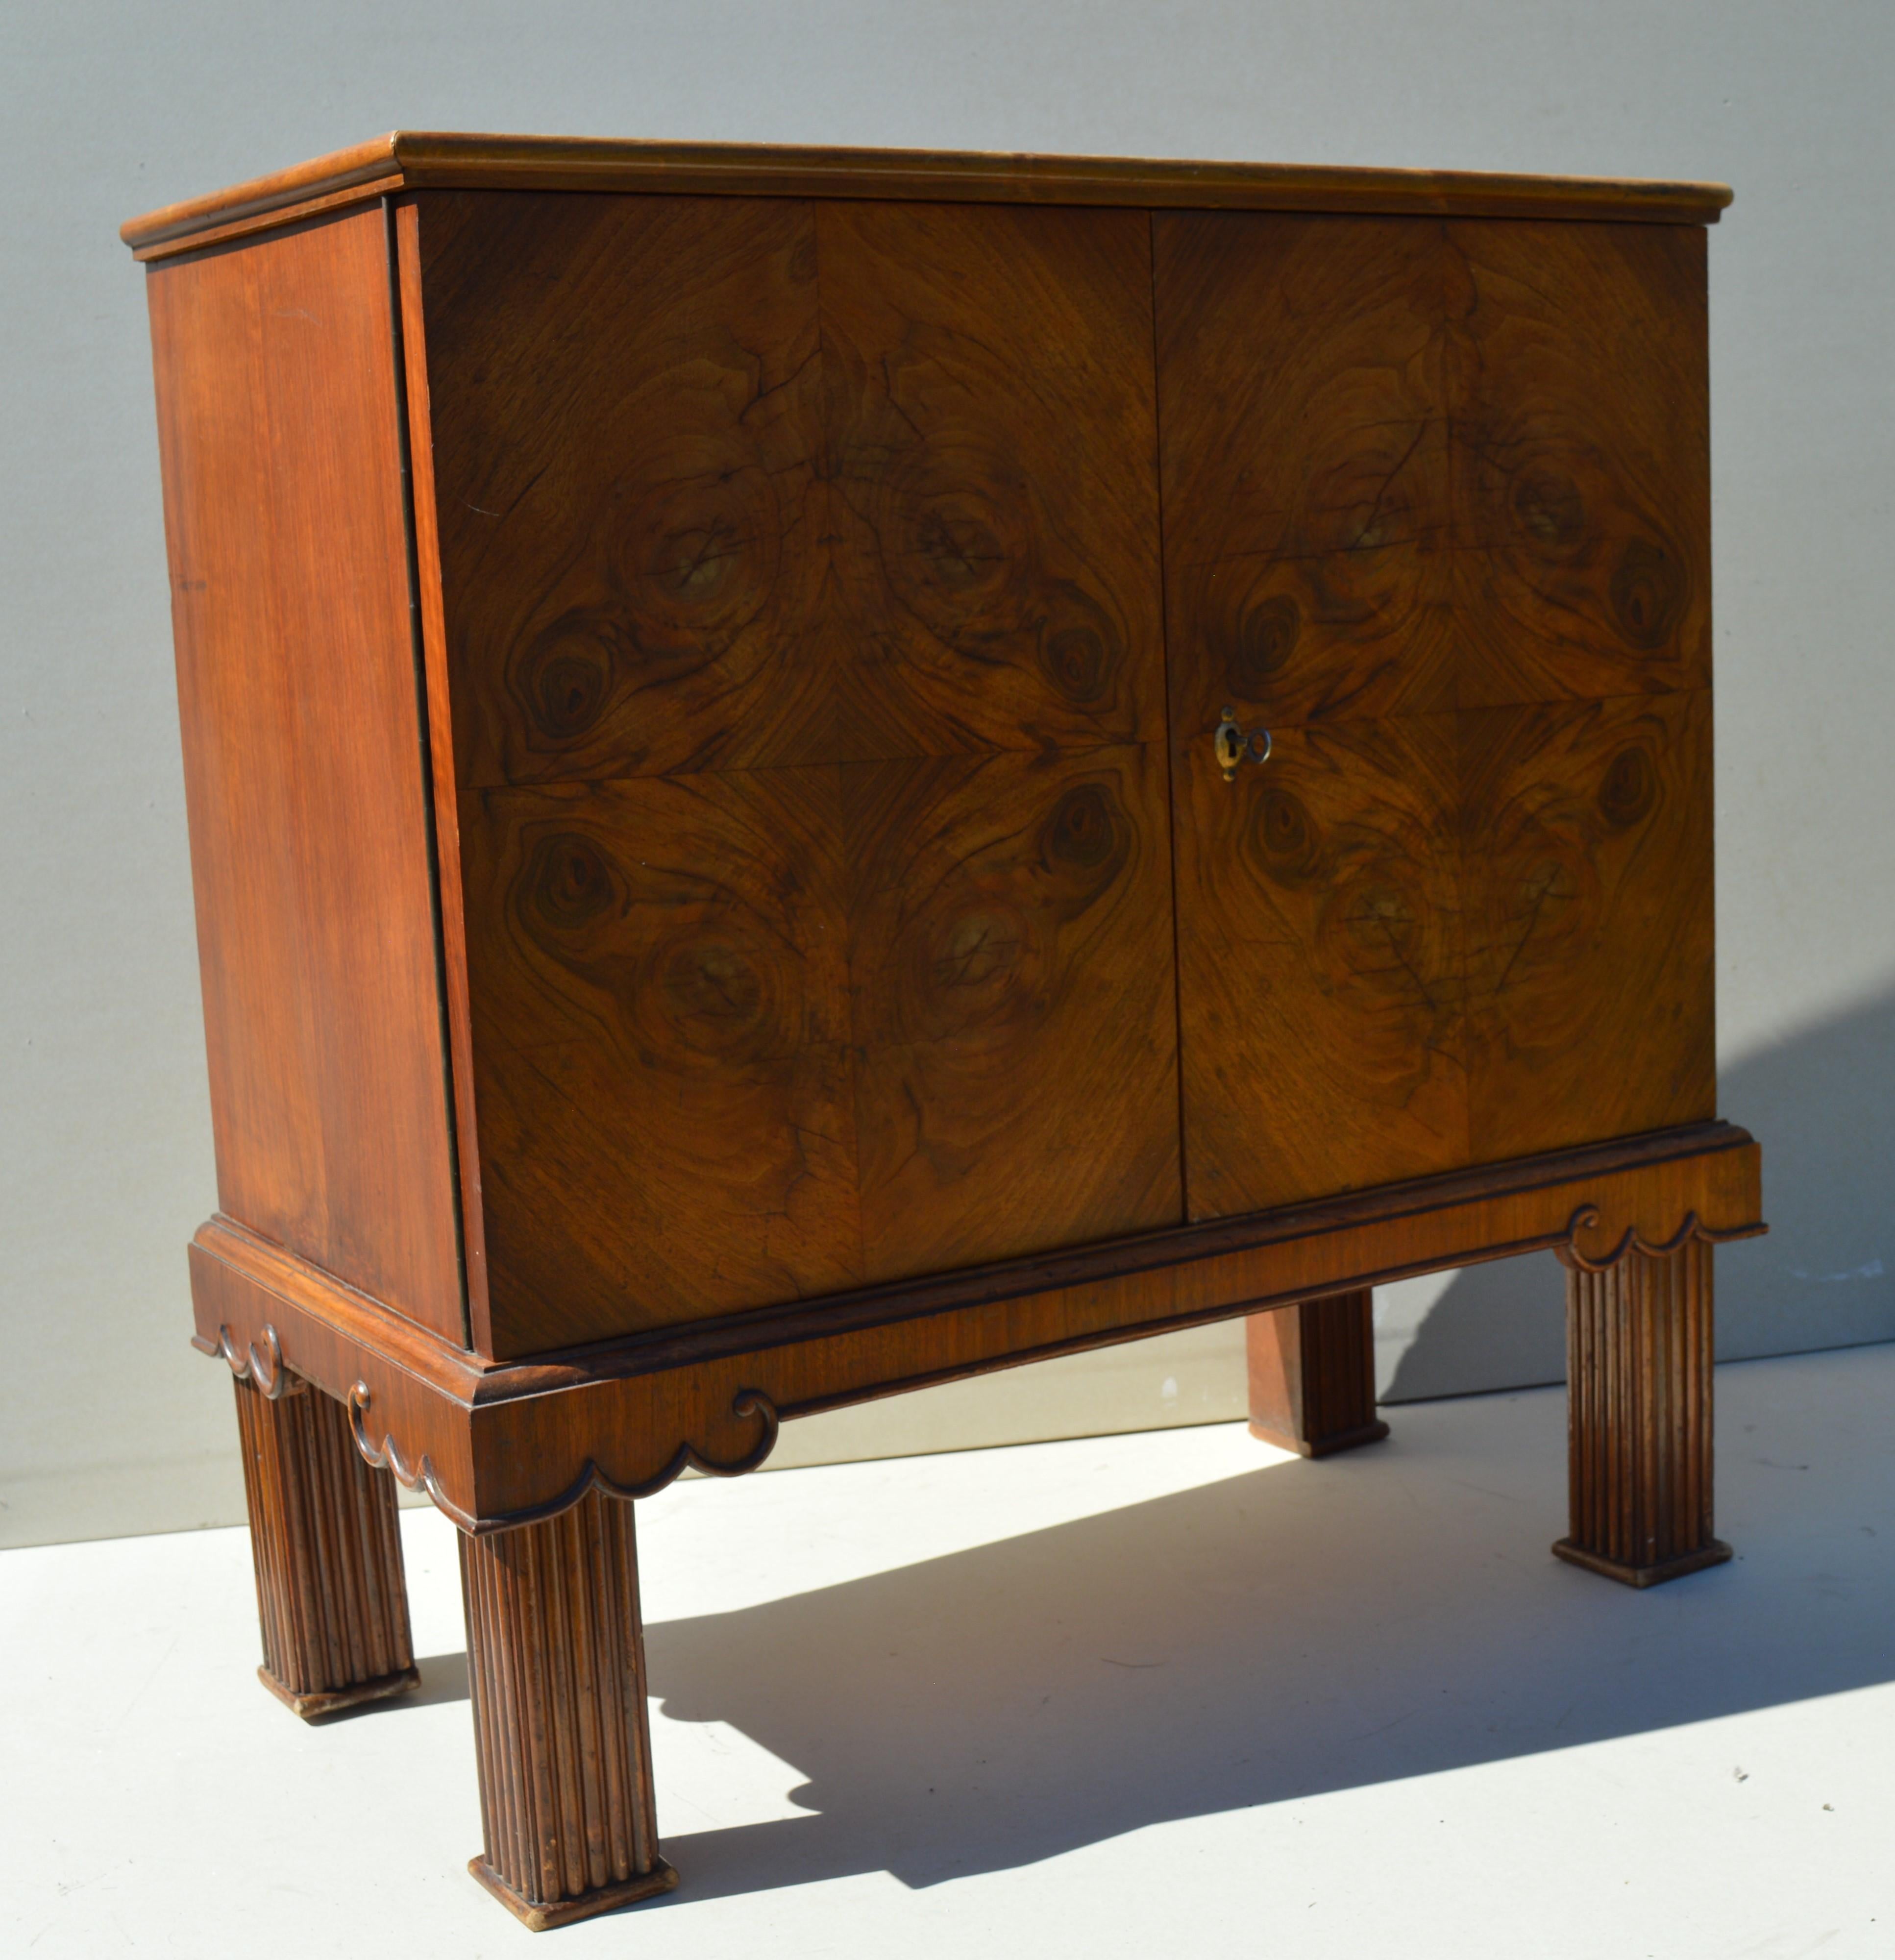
(331, 1590)
(1312, 1375)
(556, 1656)
(1638, 1352)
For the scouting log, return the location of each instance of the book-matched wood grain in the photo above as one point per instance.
(627, 395)
(994, 515)
(1437, 513)
(279, 439)
(1321, 945)
(808, 711)
(1581, 452)
(1588, 922)
(767, 483)
(1012, 1015)
(659, 968)
(1462, 465)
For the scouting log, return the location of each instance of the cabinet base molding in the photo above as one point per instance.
(501, 1444)
(662, 1878)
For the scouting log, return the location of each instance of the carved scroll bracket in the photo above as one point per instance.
(1631, 1239)
(387, 1455)
(265, 1372)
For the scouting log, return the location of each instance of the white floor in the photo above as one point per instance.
(1142, 1695)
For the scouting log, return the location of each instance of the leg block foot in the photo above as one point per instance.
(555, 1657)
(1312, 1375)
(331, 1593)
(312, 1707)
(1715, 1553)
(1638, 1352)
(662, 1878)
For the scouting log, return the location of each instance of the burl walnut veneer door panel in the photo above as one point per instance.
(1436, 513)
(279, 432)
(802, 627)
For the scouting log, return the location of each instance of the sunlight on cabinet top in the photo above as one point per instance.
(412, 160)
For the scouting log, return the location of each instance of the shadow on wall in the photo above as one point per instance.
(1822, 1105)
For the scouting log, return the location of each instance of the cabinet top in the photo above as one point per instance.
(409, 160)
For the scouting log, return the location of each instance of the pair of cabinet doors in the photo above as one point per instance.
(840, 600)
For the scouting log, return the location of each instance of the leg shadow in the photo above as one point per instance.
(1305, 1628)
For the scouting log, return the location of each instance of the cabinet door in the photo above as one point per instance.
(1436, 513)
(801, 591)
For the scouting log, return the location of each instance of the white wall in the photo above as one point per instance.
(108, 1423)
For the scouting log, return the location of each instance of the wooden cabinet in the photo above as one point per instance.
(812, 771)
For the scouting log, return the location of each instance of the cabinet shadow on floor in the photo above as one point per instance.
(1304, 1628)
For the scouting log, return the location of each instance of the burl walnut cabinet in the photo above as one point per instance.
(814, 772)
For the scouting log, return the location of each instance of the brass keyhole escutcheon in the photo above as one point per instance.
(1233, 745)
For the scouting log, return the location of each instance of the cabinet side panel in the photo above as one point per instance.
(278, 434)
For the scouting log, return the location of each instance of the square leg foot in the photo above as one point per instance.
(1320, 1446)
(328, 1701)
(662, 1878)
(1715, 1553)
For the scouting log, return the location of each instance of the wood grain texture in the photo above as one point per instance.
(495, 1442)
(1589, 932)
(555, 1663)
(414, 159)
(1581, 454)
(1307, 383)
(331, 1593)
(444, 831)
(279, 436)
(1321, 945)
(988, 594)
(1010, 962)
(769, 588)
(1639, 1357)
(697, 696)
(659, 978)
(1312, 1375)
(1437, 513)
(767, 483)
(1412, 466)
(627, 395)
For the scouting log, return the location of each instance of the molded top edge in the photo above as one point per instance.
(416, 160)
